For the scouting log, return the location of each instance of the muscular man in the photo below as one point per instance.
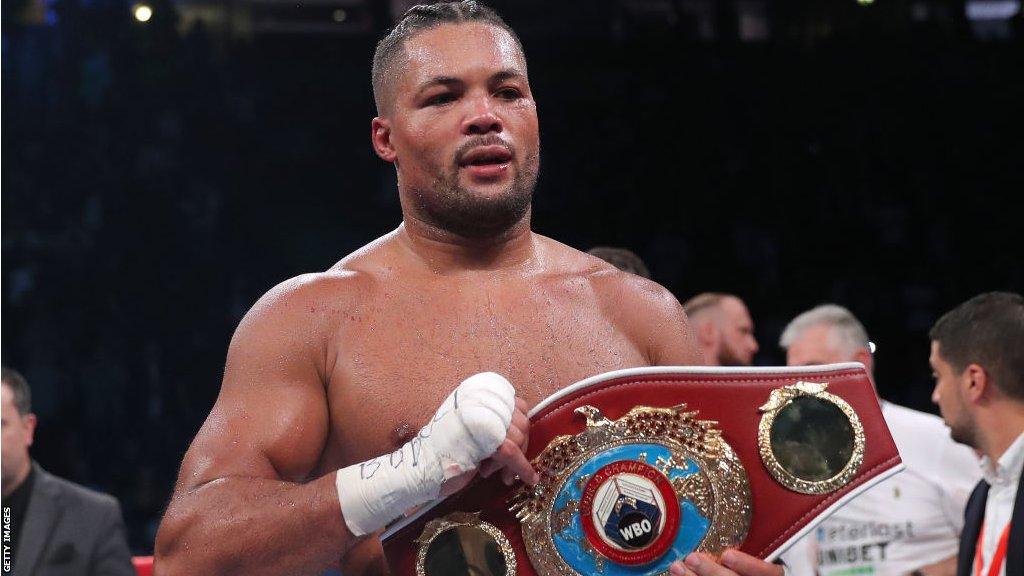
(909, 523)
(323, 432)
(723, 328)
(977, 357)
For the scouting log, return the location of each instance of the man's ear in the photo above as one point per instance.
(30, 428)
(706, 332)
(863, 355)
(380, 136)
(976, 383)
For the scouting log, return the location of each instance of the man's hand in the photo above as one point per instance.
(481, 419)
(733, 563)
(510, 457)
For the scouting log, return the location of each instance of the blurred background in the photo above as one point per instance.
(166, 162)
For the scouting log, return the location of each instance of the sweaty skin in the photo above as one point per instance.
(331, 369)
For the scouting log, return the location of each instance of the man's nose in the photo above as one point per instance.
(481, 119)
(935, 394)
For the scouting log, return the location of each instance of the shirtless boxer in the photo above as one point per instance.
(323, 430)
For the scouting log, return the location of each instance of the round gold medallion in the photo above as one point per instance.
(462, 544)
(810, 441)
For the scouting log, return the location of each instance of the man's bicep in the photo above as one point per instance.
(264, 435)
(270, 419)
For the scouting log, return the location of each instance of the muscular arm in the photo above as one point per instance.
(241, 504)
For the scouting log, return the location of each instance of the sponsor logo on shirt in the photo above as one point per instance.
(861, 544)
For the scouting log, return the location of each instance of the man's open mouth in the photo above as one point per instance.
(493, 155)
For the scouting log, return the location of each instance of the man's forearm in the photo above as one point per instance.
(253, 526)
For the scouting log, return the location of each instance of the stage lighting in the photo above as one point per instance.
(142, 12)
(865, 2)
(340, 15)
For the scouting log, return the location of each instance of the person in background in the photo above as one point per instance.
(908, 524)
(723, 328)
(623, 259)
(56, 527)
(977, 359)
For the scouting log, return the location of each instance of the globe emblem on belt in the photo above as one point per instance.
(627, 497)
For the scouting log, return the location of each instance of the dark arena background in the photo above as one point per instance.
(165, 163)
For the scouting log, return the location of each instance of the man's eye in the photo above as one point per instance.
(440, 99)
(509, 93)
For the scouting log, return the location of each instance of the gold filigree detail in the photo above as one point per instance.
(562, 518)
(697, 489)
(782, 397)
(719, 489)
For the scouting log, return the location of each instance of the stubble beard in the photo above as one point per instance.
(729, 357)
(964, 433)
(470, 214)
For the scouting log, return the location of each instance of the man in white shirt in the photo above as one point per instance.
(908, 524)
(977, 357)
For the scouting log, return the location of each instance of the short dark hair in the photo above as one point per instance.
(622, 258)
(418, 19)
(987, 330)
(19, 388)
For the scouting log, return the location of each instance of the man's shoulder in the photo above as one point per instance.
(925, 444)
(316, 290)
(352, 276)
(914, 430)
(606, 279)
(643, 309)
(908, 418)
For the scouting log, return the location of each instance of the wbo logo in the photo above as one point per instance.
(629, 511)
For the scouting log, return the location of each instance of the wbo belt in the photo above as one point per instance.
(640, 467)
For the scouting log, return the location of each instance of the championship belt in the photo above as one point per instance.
(640, 467)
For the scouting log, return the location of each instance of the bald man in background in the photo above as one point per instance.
(723, 328)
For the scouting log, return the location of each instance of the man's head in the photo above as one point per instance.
(19, 425)
(622, 258)
(457, 118)
(977, 359)
(723, 328)
(826, 334)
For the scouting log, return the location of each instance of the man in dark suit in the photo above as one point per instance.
(977, 357)
(55, 527)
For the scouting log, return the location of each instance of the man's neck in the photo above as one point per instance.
(18, 479)
(445, 252)
(1005, 425)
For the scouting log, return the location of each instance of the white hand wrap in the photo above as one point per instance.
(470, 425)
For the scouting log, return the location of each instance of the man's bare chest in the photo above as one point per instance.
(396, 367)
